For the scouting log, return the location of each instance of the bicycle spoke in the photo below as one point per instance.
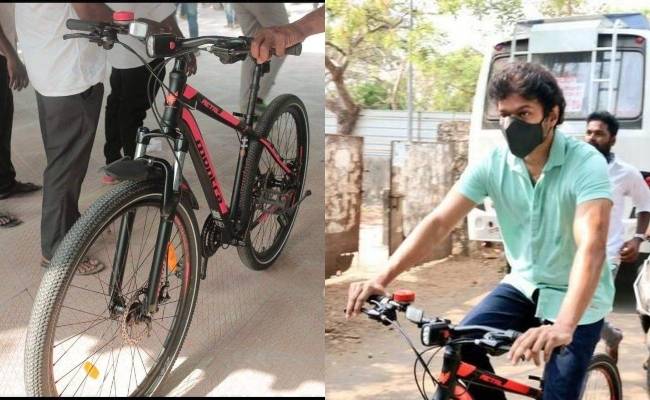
(81, 363)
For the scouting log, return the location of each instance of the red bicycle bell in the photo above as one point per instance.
(123, 17)
(404, 296)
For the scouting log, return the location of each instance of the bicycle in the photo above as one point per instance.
(146, 312)
(602, 380)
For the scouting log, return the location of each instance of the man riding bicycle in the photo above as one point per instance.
(552, 197)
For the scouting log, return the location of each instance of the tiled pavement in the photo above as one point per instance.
(253, 333)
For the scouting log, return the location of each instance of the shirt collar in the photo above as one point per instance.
(556, 155)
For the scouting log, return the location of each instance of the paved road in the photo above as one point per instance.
(253, 333)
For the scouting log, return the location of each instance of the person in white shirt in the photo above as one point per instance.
(128, 102)
(67, 76)
(253, 17)
(12, 76)
(627, 181)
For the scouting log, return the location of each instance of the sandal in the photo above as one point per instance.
(7, 221)
(87, 267)
(90, 266)
(20, 188)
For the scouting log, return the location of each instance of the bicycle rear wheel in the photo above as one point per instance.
(78, 344)
(603, 380)
(269, 195)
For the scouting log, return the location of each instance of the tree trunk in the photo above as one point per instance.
(393, 94)
(346, 110)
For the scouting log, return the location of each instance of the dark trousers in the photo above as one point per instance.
(507, 308)
(68, 125)
(126, 108)
(7, 171)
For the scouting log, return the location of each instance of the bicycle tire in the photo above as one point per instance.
(607, 367)
(39, 379)
(287, 104)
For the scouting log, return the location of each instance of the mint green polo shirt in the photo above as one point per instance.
(536, 221)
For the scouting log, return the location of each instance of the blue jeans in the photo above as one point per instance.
(230, 13)
(507, 308)
(190, 9)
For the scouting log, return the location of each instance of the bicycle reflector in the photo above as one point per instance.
(404, 296)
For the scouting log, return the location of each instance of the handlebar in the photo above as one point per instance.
(79, 25)
(441, 332)
(228, 49)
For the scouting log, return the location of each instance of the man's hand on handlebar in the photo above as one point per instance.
(274, 39)
(359, 293)
(535, 340)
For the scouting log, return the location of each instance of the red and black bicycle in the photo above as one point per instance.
(602, 381)
(119, 332)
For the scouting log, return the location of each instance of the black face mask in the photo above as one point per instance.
(521, 136)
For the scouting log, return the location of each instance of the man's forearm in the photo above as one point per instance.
(312, 23)
(415, 247)
(642, 220)
(583, 281)
(6, 48)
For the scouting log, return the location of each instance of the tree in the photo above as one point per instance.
(367, 52)
(365, 45)
(567, 8)
(448, 82)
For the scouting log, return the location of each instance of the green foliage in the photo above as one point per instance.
(449, 82)
(507, 12)
(371, 94)
(565, 8)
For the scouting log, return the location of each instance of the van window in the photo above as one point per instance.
(572, 72)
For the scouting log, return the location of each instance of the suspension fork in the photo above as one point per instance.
(171, 198)
(124, 234)
(119, 261)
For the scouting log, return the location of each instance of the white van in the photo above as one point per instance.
(578, 51)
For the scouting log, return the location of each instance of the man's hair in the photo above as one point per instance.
(530, 81)
(607, 118)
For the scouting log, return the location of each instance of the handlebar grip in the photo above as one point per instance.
(78, 25)
(294, 50)
(74, 36)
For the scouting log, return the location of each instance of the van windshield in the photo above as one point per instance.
(572, 71)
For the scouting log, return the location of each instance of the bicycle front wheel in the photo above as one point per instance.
(603, 381)
(80, 342)
(269, 195)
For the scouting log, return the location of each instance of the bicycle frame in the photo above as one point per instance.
(179, 108)
(453, 369)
